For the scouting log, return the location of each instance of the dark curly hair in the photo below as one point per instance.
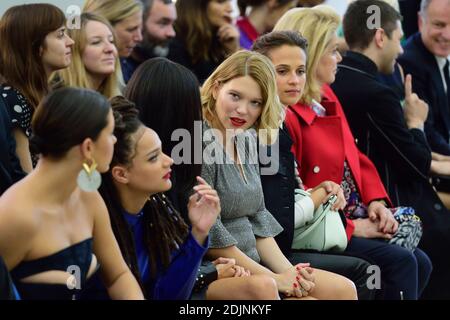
(164, 229)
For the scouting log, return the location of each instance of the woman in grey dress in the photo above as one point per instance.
(239, 95)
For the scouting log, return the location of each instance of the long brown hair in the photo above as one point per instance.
(22, 33)
(198, 34)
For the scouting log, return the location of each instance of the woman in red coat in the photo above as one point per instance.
(325, 149)
(323, 144)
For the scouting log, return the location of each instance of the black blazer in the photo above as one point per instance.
(402, 156)
(279, 189)
(376, 118)
(10, 169)
(427, 84)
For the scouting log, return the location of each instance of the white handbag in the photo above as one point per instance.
(325, 232)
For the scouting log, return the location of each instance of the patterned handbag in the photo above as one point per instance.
(409, 230)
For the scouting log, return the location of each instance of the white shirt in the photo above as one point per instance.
(304, 210)
(441, 63)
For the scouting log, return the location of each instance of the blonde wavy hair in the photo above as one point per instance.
(113, 10)
(259, 68)
(317, 25)
(76, 74)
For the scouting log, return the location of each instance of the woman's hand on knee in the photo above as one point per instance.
(306, 278)
(293, 283)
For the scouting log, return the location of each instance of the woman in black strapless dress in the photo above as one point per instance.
(54, 227)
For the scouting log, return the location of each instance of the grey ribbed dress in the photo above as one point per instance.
(244, 215)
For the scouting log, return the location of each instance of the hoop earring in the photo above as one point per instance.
(89, 179)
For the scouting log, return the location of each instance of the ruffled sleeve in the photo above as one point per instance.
(264, 225)
(219, 236)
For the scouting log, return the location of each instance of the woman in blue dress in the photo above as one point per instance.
(161, 250)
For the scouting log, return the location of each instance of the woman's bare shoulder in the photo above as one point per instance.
(93, 201)
(19, 223)
(16, 205)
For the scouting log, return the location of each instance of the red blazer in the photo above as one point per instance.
(321, 144)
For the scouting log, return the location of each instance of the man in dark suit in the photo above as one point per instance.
(426, 58)
(10, 169)
(390, 135)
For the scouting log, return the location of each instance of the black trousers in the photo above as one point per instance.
(401, 270)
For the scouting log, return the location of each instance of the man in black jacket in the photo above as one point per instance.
(426, 58)
(10, 169)
(390, 135)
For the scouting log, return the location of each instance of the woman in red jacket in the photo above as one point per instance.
(326, 150)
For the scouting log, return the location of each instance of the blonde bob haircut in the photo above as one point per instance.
(318, 25)
(113, 10)
(76, 74)
(259, 68)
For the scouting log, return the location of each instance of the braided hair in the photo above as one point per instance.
(164, 229)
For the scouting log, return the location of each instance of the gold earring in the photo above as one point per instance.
(89, 179)
(90, 168)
